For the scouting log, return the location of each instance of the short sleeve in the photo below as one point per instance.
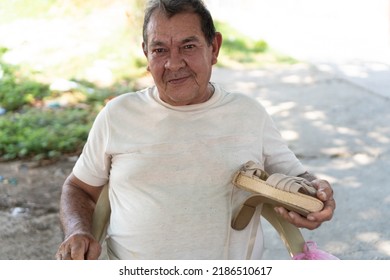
(93, 165)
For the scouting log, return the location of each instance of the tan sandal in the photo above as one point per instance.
(293, 193)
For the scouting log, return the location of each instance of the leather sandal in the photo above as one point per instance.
(293, 193)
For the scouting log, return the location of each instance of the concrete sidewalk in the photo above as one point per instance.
(340, 130)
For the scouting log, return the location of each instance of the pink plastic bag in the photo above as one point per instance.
(311, 252)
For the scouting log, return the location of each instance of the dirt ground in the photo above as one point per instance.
(29, 220)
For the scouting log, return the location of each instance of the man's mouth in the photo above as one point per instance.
(177, 80)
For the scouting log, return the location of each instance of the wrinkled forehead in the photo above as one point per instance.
(178, 27)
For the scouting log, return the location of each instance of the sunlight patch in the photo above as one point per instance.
(289, 135)
(281, 107)
(315, 115)
(384, 247)
(368, 237)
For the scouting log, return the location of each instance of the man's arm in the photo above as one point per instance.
(313, 220)
(77, 204)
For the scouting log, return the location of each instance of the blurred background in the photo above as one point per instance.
(67, 55)
(321, 30)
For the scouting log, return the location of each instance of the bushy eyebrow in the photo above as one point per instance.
(190, 39)
(154, 44)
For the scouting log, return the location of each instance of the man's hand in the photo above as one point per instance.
(313, 220)
(77, 205)
(79, 246)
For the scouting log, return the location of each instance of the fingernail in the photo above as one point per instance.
(291, 214)
(311, 218)
(322, 194)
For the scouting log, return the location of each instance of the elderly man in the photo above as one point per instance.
(169, 153)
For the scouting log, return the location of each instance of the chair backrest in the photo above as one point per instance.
(290, 234)
(101, 216)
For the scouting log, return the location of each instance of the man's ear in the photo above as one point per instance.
(216, 44)
(144, 49)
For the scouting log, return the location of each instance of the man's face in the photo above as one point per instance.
(179, 58)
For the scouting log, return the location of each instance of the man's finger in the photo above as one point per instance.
(94, 251)
(79, 250)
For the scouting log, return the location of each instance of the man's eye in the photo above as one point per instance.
(159, 50)
(187, 47)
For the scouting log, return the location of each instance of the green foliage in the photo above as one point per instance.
(260, 46)
(43, 134)
(16, 89)
(3, 50)
(241, 50)
(32, 130)
(235, 43)
(235, 46)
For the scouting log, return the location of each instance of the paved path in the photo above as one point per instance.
(340, 130)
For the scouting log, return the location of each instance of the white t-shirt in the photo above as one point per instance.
(170, 170)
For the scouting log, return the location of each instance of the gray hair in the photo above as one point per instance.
(173, 7)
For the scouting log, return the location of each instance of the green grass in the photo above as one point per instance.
(35, 126)
(18, 89)
(43, 134)
(240, 50)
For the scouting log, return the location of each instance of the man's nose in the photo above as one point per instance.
(175, 61)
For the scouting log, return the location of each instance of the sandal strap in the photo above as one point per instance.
(280, 181)
(291, 184)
